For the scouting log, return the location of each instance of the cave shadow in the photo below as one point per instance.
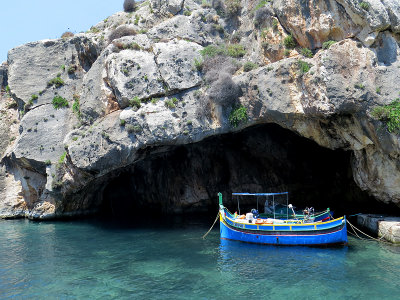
(185, 180)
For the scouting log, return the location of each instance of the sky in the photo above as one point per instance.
(23, 21)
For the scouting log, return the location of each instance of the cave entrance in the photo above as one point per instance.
(263, 158)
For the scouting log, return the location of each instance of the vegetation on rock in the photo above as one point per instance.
(304, 66)
(120, 32)
(248, 66)
(171, 103)
(306, 52)
(233, 7)
(232, 50)
(76, 106)
(57, 81)
(238, 115)
(390, 114)
(129, 5)
(135, 102)
(261, 15)
(62, 157)
(364, 5)
(59, 102)
(289, 42)
(67, 34)
(327, 44)
(133, 128)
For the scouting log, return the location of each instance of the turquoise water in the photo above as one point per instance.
(106, 260)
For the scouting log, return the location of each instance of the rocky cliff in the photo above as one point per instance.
(80, 111)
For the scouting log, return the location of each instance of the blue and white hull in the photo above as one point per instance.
(333, 232)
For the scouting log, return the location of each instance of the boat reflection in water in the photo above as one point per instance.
(283, 271)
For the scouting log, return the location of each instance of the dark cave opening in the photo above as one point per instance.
(263, 158)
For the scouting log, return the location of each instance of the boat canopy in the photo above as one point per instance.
(259, 194)
(266, 202)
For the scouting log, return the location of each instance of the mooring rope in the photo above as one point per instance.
(372, 238)
(215, 221)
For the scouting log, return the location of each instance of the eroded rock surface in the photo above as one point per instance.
(137, 96)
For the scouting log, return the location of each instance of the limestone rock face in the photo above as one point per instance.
(315, 22)
(134, 98)
(32, 66)
(175, 61)
(169, 6)
(3, 76)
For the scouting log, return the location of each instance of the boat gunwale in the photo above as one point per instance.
(286, 224)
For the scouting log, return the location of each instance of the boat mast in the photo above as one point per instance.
(287, 206)
(273, 204)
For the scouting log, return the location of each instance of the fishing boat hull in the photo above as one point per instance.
(330, 233)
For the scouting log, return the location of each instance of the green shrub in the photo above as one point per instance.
(76, 106)
(327, 44)
(62, 67)
(235, 50)
(261, 4)
(233, 7)
(133, 128)
(154, 100)
(198, 64)
(364, 5)
(67, 35)
(238, 115)
(62, 157)
(135, 102)
(120, 32)
(94, 29)
(378, 90)
(122, 122)
(261, 16)
(306, 52)
(187, 12)
(71, 69)
(212, 50)
(34, 97)
(289, 42)
(218, 27)
(169, 103)
(275, 24)
(359, 86)
(205, 4)
(142, 31)
(390, 114)
(248, 66)
(286, 52)
(59, 102)
(134, 46)
(129, 5)
(57, 81)
(136, 22)
(304, 67)
(47, 162)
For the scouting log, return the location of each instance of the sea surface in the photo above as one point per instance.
(105, 259)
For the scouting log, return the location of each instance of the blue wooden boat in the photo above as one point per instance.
(281, 232)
